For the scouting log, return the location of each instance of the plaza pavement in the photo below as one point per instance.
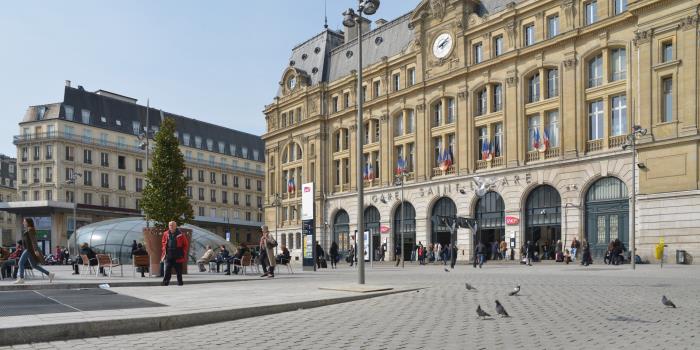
(560, 306)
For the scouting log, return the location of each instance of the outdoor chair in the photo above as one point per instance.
(243, 262)
(86, 265)
(141, 261)
(105, 262)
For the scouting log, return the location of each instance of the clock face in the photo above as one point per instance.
(292, 83)
(443, 45)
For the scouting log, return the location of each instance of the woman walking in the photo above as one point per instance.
(29, 254)
(334, 255)
(267, 252)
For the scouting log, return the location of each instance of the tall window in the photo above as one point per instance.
(553, 128)
(346, 100)
(620, 6)
(595, 120)
(667, 103)
(85, 114)
(595, 71)
(450, 111)
(619, 64)
(481, 101)
(437, 114)
(552, 83)
(667, 52)
(619, 115)
(396, 81)
(478, 53)
(498, 45)
(552, 26)
(591, 12)
(410, 121)
(533, 131)
(410, 156)
(497, 98)
(398, 125)
(411, 79)
(529, 34)
(335, 104)
(498, 140)
(69, 111)
(376, 89)
(534, 88)
(483, 139)
(437, 150)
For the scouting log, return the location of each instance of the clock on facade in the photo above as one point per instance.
(443, 45)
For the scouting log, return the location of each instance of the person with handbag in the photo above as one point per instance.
(30, 253)
(267, 252)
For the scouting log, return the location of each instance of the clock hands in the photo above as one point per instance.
(443, 43)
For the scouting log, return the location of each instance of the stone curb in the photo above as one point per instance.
(103, 328)
(83, 285)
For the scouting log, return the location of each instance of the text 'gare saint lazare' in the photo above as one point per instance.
(444, 189)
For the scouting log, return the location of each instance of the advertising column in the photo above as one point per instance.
(307, 227)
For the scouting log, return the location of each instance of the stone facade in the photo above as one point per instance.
(552, 88)
(8, 193)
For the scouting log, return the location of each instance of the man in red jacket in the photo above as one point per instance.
(174, 252)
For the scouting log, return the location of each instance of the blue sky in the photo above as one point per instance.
(207, 60)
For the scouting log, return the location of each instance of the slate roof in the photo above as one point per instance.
(118, 115)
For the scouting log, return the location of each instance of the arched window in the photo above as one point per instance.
(341, 230)
(607, 214)
(441, 233)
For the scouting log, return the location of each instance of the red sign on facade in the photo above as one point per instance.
(384, 229)
(512, 220)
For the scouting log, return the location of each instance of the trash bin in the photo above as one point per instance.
(680, 257)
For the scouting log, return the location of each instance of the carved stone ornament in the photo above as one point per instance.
(510, 6)
(462, 95)
(511, 80)
(384, 118)
(420, 107)
(568, 7)
(641, 37)
(438, 8)
(353, 127)
(569, 62)
(510, 31)
(689, 22)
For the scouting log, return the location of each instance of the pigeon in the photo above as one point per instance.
(481, 312)
(501, 310)
(515, 291)
(446, 270)
(667, 302)
(469, 286)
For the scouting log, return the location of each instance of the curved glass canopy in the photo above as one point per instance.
(115, 237)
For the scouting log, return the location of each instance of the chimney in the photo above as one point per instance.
(351, 33)
(67, 83)
(380, 22)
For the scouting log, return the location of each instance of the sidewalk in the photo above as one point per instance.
(205, 298)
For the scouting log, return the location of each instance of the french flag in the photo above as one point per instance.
(485, 150)
(290, 185)
(370, 172)
(536, 139)
(545, 139)
(446, 159)
(440, 159)
(400, 166)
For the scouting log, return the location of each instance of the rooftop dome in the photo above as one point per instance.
(115, 237)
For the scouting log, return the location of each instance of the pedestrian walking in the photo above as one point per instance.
(530, 252)
(586, 257)
(320, 255)
(175, 247)
(575, 245)
(503, 248)
(351, 255)
(267, 252)
(334, 255)
(480, 253)
(31, 253)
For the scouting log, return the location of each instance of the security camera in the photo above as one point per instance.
(641, 165)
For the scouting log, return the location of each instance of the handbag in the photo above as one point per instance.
(271, 243)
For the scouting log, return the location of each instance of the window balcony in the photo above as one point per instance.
(594, 145)
(617, 141)
(532, 156)
(438, 172)
(552, 152)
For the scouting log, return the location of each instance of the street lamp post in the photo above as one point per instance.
(637, 131)
(400, 180)
(352, 19)
(72, 180)
(276, 203)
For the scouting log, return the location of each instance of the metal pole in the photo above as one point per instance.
(75, 205)
(358, 139)
(634, 199)
(148, 104)
(402, 228)
(277, 206)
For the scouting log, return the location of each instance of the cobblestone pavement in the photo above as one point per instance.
(559, 307)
